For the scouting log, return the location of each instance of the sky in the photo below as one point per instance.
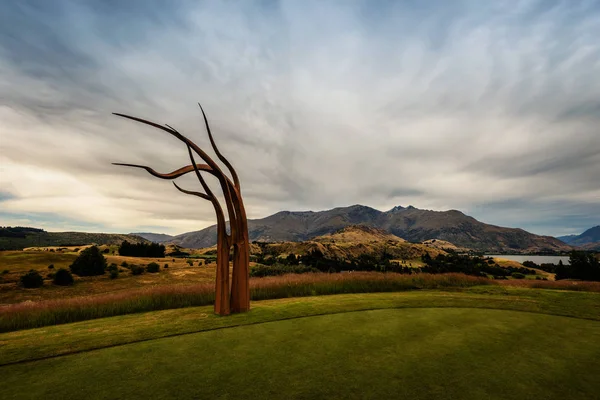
(488, 107)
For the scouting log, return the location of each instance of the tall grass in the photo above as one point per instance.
(51, 312)
(579, 286)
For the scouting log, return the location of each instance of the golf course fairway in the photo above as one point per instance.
(412, 353)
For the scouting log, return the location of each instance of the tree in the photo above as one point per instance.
(63, 277)
(90, 262)
(152, 267)
(239, 298)
(582, 265)
(32, 279)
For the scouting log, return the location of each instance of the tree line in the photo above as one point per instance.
(582, 265)
(142, 249)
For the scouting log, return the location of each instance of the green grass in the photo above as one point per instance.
(427, 353)
(82, 336)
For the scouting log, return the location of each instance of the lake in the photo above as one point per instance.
(536, 259)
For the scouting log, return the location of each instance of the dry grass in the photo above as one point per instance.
(580, 286)
(50, 312)
(506, 263)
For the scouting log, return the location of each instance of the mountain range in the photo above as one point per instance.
(409, 223)
(589, 239)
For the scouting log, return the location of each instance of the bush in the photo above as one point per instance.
(124, 264)
(51, 266)
(32, 279)
(114, 274)
(517, 275)
(89, 263)
(106, 251)
(113, 267)
(136, 269)
(153, 267)
(190, 262)
(166, 266)
(63, 277)
(5, 272)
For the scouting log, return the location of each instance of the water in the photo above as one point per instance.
(536, 259)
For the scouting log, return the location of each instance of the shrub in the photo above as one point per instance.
(153, 267)
(32, 279)
(114, 274)
(89, 263)
(190, 262)
(136, 269)
(166, 266)
(5, 272)
(124, 264)
(51, 266)
(517, 275)
(63, 277)
(106, 251)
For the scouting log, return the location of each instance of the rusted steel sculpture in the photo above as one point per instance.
(238, 298)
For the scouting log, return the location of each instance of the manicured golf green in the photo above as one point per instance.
(413, 353)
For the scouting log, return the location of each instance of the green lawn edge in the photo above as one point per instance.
(53, 341)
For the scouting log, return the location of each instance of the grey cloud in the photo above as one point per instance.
(437, 104)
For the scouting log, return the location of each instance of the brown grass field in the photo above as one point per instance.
(19, 262)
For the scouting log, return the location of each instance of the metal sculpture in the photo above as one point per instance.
(238, 298)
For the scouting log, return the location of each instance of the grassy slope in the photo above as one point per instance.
(86, 335)
(417, 354)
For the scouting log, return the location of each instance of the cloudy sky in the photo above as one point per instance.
(489, 107)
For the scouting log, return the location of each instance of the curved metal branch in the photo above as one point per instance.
(221, 156)
(171, 175)
(199, 176)
(204, 196)
(217, 170)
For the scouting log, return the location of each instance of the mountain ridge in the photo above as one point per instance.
(153, 237)
(409, 223)
(588, 240)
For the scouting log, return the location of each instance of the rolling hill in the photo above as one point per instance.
(40, 238)
(350, 243)
(410, 223)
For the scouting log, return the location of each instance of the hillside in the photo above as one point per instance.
(409, 223)
(592, 235)
(153, 237)
(42, 238)
(350, 243)
(588, 240)
(567, 239)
